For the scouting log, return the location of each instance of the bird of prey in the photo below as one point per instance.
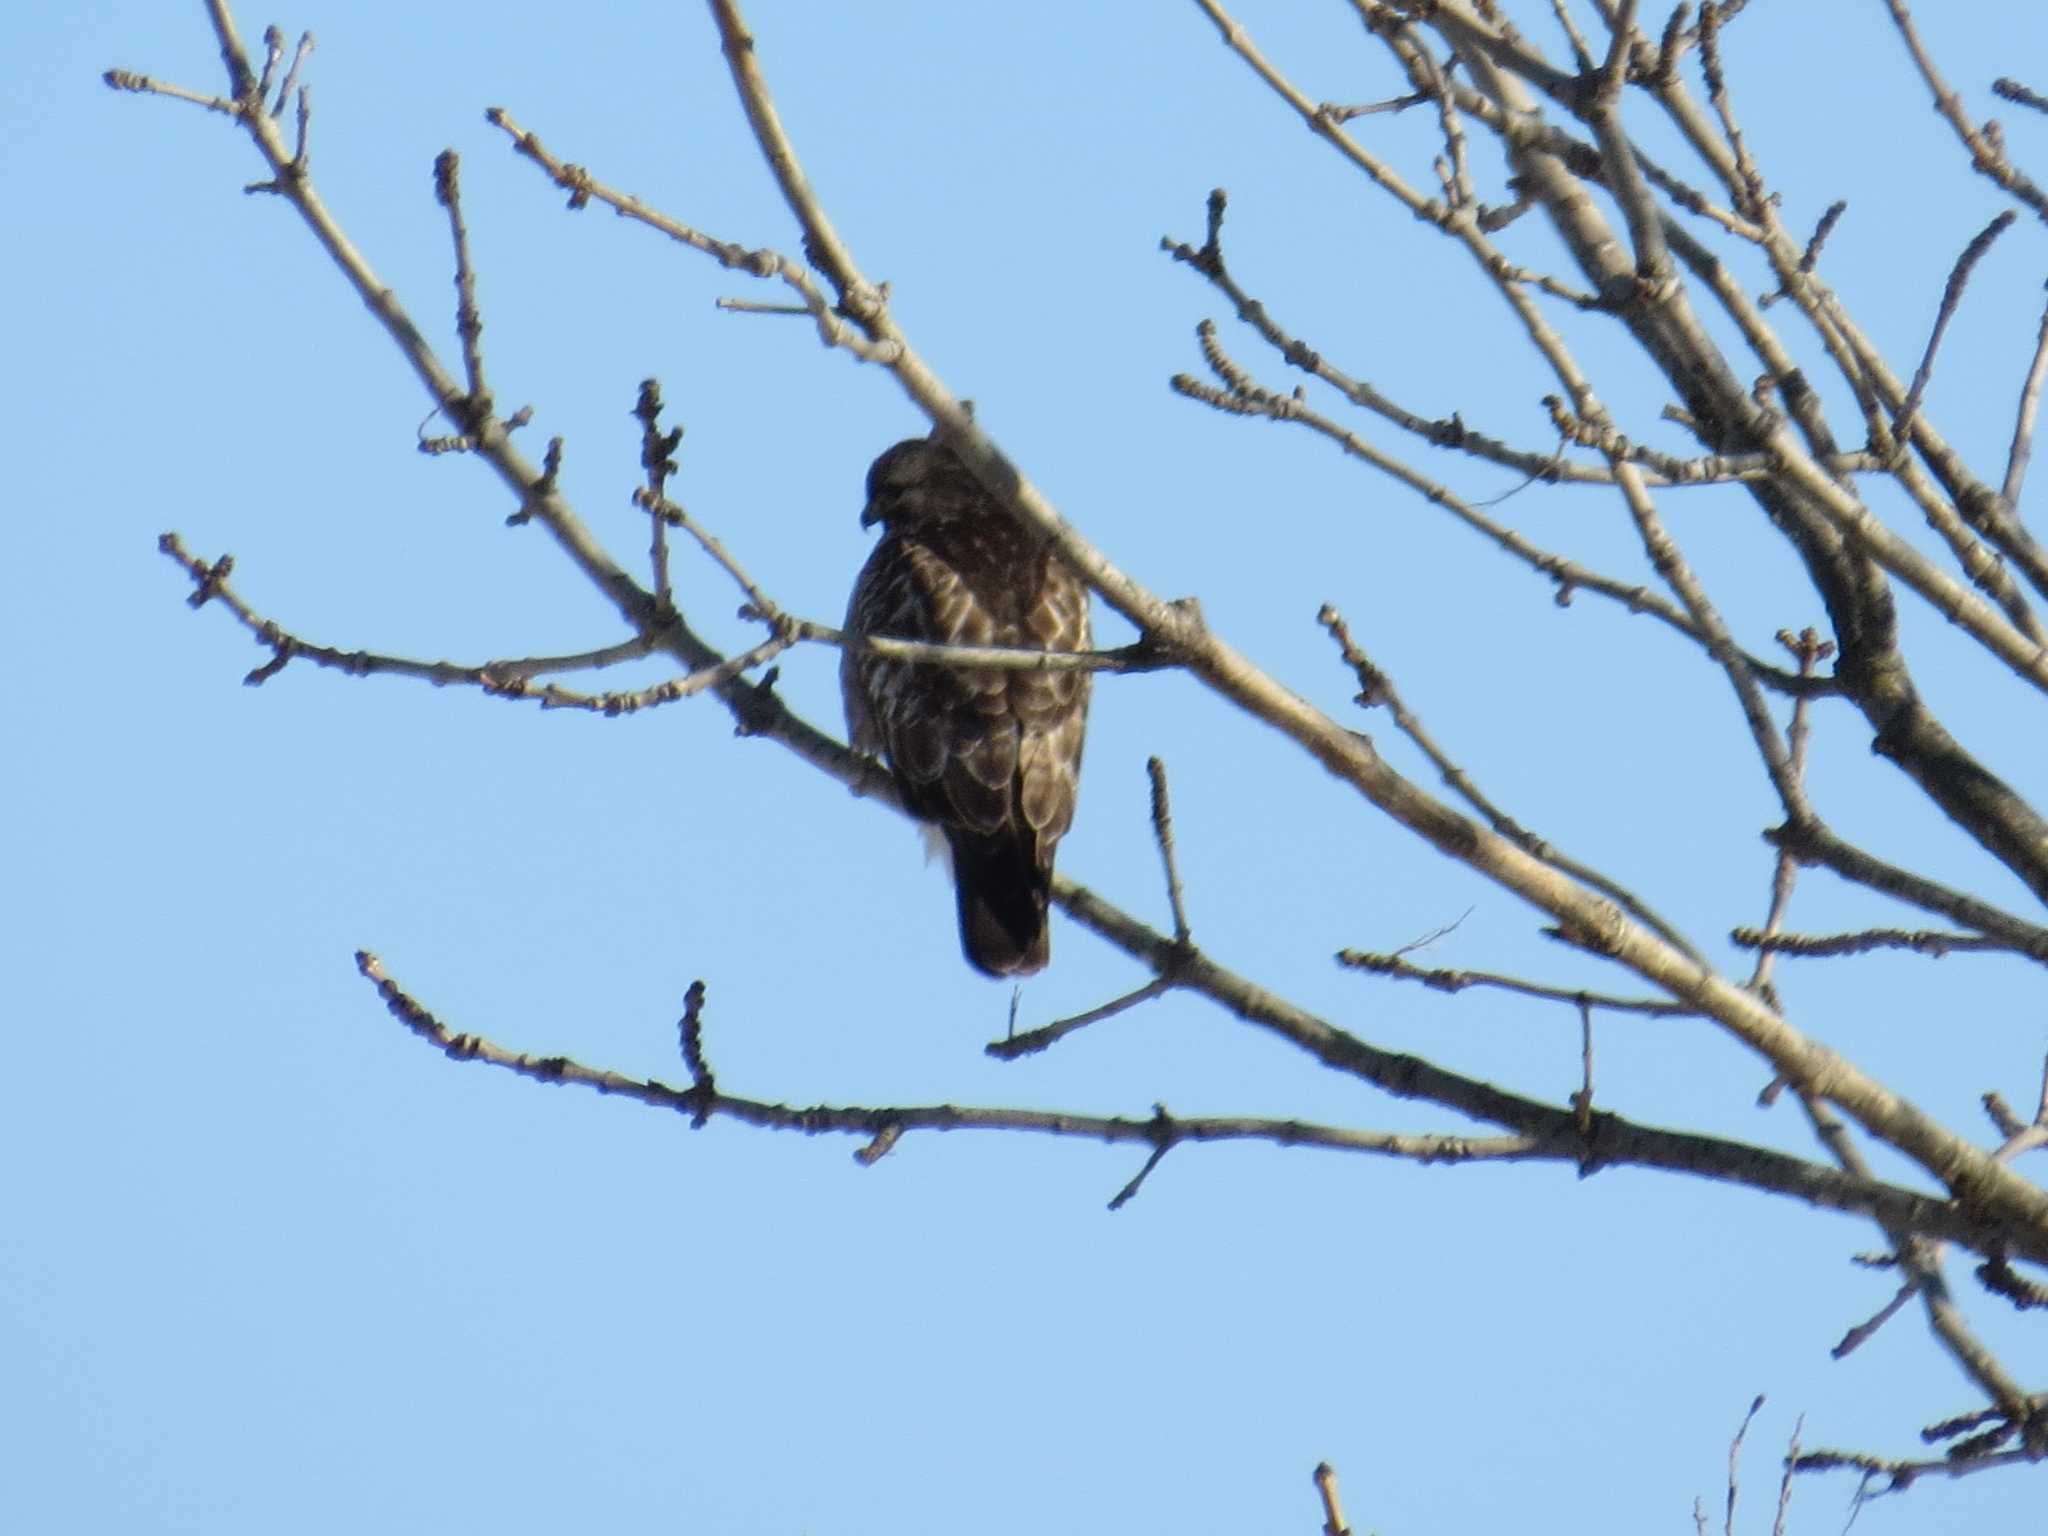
(990, 757)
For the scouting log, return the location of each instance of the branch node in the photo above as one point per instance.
(1165, 1136)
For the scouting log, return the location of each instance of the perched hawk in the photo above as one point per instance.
(991, 757)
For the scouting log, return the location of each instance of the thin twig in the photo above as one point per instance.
(2012, 90)
(1010, 1047)
(690, 1034)
(1810, 257)
(1582, 1101)
(210, 584)
(1809, 651)
(1344, 114)
(657, 462)
(1920, 1259)
(511, 679)
(2001, 1279)
(129, 80)
(1582, 52)
(273, 55)
(1244, 398)
(1376, 689)
(1814, 842)
(1457, 981)
(755, 307)
(2023, 428)
(1735, 1464)
(1165, 1144)
(761, 262)
(1864, 1331)
(1901, 1474)
(291, 77)
(1778, 1524)
(1936, 942)
(1951, 300)
(1162, 832)
(1987, 157)
(469, 321)
(1130, 658)
(1746, 186)
(758, 605)
(1457, 171)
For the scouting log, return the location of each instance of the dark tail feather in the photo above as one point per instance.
(1002, 903)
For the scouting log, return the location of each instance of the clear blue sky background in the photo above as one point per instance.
(268, 1264)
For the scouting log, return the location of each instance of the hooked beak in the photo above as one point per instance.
(871, 514)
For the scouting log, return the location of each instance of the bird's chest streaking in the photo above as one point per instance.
(991, 756)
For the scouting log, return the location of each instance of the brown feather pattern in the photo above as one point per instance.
(990, 756)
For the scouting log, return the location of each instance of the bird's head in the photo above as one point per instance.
(917, 478)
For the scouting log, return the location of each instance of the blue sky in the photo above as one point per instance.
(273, 1265)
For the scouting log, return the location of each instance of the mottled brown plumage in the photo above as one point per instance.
(991, 757)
